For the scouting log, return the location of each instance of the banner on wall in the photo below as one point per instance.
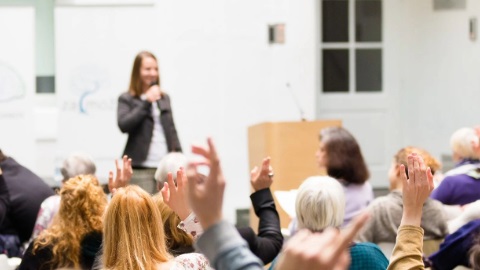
(87, 116)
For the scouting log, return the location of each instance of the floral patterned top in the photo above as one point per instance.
(191, 261)
(48, 209)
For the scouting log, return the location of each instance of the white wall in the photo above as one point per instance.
(17, 83)
(441, 85)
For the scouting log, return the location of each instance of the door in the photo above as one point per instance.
(359, 75)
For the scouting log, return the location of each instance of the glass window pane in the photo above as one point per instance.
(335, 70)
(335, 20)
(369, 70)
(368, 20)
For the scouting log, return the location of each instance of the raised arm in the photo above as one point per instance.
(123, 174)
(220, 242)
(417, 187)
(176, 198)
(268, 243)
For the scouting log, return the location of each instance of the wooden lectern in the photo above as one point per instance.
(291, 147)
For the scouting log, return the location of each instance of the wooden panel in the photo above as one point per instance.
(292, 147)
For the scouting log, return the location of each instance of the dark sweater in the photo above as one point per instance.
(268, 243)
(454, 251)
(21, 194)
(41, 260)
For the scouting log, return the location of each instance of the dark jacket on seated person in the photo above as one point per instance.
(454, 251)
(41, 260)
(269, 241)
(21, 193)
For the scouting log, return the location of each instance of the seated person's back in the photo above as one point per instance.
(26, 191)
(386, 211)
(461, 184)
(320, 204)
(455, 250)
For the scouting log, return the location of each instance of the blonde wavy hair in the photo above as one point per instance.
(175, 238)
(401, 157)
(133, 237)
(81, 210)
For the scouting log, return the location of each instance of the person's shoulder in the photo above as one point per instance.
(382, 202)
(51, 201)
(383, 208)
(165, 96)
(454, 178)
(368, 248)
(367, 255)
(125, 96)
(433, 204)
(191, 261)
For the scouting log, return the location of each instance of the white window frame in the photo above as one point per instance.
(352, 46)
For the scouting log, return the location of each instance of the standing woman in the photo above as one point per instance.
(340, 155)
(144, 112)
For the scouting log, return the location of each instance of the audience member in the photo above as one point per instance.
(21, 193)
(408, 251)
(133, 238)
(145, 113)
(172, 162)
(178, 241)
(75, 235)
(73, 165)
(224, 247)
(327, 250)
(470, 212)
(340, 154)
(386, 211)
(320, 204)
(454, 251)
(461, 184)
(475, 254)
(268, 243)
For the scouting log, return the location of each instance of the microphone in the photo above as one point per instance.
(299, 107)
(153, 84)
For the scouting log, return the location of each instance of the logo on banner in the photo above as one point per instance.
(12, 86)
(89, 87)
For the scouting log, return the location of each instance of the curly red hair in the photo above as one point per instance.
(81, 212)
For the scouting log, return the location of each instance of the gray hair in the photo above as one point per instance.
(77, 164)
(462, 142)
(170, 163)
(320, 203)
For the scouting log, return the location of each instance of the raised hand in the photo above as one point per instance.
(327, 250)
(205, 195)
(123, 174)
(176, 196)
(261, 179)
(416, 189)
